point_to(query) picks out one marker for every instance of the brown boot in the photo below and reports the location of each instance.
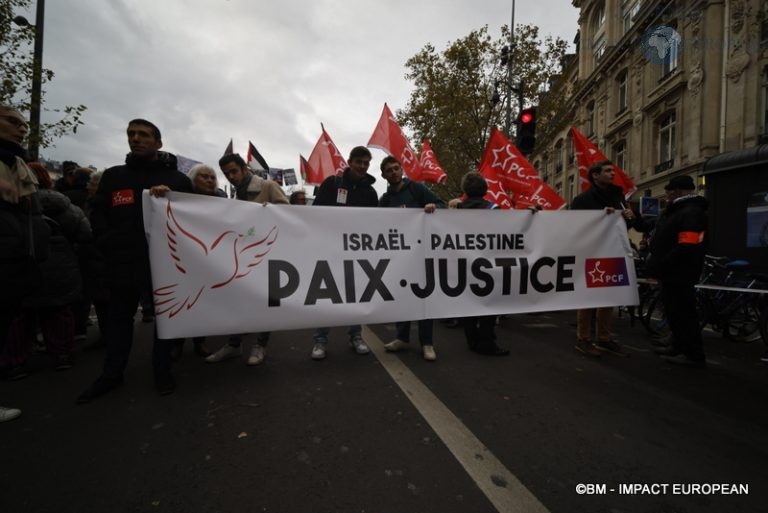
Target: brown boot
(586, 347)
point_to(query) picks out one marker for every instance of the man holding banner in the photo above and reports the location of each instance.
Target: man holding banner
(602, 195)
(353, 188)
(404, 193)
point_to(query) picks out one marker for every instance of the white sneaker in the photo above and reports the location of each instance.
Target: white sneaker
(258, 353)
(429, 353)
(396, 345)
(8, 413)
(318, 352)
(224, 353)
(359, 344)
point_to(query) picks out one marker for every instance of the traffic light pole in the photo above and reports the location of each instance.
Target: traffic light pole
(508, 124)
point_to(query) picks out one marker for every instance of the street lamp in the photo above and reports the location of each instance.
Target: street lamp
(37, 78)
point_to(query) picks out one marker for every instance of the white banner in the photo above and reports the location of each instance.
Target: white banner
(223, 266)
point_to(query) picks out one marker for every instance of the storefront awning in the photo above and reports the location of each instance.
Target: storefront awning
(737, 159)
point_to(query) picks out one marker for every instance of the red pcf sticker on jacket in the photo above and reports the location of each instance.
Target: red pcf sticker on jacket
(690, 237)
(123, 197)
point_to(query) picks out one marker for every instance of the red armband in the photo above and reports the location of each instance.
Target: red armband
(690, 237)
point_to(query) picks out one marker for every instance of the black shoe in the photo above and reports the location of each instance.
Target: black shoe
(666, 351)
(493, 350)
(99, 387)
(16, 373)
(96, 344)
(164, 383)
(64, 362)
(683, 360)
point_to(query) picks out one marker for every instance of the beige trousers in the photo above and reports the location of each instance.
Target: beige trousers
(584, 322)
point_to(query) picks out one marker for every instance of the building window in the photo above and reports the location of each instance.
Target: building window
(598, 33)
(590, 119)
(620, 154)
(571, 190)
(671, 60)
(764, 31)
(622, 92)
(559, 188)
(571, 152)
(666, 143)
(629, 11)
(559, 156)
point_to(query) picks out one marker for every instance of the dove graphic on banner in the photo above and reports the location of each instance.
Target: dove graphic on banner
(587, 154)
(389, 138)
(503, 162)
(324, 161)
(189, 255)
(429, 169)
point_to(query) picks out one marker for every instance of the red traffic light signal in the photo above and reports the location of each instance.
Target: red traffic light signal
(526, 130)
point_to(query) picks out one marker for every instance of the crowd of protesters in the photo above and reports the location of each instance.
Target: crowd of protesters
(77, 246)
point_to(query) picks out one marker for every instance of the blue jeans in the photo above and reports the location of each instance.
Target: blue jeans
(320, 336)
(425, 331)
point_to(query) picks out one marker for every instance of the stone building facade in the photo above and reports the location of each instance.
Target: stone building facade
(660, 87)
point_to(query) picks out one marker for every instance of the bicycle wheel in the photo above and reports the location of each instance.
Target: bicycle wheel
(655, 318)
(764, 320)
(743, 324)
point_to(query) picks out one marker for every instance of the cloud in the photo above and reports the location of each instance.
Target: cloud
(271, 72)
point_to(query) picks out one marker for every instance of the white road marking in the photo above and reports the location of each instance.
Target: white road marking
(500, 486)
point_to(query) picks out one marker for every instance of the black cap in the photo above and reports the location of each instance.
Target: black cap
(683, 182)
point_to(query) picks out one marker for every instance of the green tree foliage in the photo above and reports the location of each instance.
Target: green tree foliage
(452, 102)
(16, 72)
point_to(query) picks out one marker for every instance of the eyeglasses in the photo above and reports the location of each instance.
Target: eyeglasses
(18, 123)
(392, 169)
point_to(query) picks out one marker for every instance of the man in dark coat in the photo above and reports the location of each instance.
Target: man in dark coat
(354, 188)
(676, 259)
(118, 227)
(404, 193)
(602, 195)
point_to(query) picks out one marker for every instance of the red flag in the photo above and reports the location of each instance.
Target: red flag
(496, 193)
(324, 161)
(587, 154)
(503, 161)
(389, 137)
(429, 169)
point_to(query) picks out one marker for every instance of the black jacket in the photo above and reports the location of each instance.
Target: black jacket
(116, 214)
(359, 194)
(678, 245)
(477, 203)
(597, 199)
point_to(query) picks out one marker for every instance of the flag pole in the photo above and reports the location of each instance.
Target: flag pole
(509, 72)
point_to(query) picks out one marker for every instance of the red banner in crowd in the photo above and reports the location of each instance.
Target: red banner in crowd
(429, 169)
(587, 154)
(389, 138)
(503, 162)
(324, 161)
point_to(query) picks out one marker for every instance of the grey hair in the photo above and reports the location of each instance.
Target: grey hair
(195, 170)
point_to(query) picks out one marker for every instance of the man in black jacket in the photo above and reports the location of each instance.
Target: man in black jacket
(354, 188)
(602, 195)
(676, 259)
(118, 228)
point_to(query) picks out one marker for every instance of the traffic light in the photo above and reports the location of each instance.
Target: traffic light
(504, 55)
(526, 130)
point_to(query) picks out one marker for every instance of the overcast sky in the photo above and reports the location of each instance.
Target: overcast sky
(206, 71)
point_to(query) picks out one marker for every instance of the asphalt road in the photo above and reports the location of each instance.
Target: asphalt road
(394, 433)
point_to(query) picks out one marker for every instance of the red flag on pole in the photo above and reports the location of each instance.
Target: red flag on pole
(429, 169)
(503, 161)
(587, 154)
(389, 137)
(324, 161)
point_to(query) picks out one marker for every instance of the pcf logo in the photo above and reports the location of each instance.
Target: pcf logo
(606, 272)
